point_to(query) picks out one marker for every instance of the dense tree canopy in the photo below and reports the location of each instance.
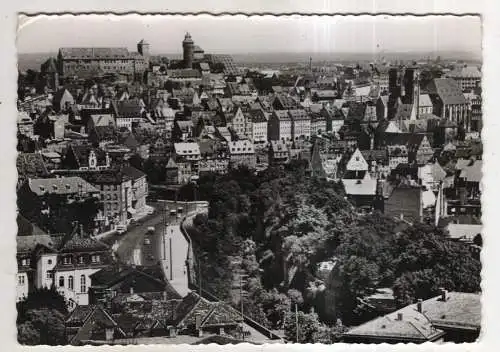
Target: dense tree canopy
(277, 226)
(40, 318)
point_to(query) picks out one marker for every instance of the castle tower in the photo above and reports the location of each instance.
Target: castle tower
(143, 48)
(188, 48)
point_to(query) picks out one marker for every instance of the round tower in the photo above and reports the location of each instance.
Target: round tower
(188, 49)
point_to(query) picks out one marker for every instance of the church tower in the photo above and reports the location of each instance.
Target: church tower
(49, 71)
(188, 48)
(143, 48)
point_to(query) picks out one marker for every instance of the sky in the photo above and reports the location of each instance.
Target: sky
(257, 34)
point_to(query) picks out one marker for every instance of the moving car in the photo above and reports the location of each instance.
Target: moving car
(121, 229)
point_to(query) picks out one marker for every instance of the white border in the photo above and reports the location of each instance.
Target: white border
(491, 41)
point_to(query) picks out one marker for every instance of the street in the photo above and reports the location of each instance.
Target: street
(138, 246)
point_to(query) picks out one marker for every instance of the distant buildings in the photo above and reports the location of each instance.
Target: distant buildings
(86, 62)
(449, 317)
(467, 77)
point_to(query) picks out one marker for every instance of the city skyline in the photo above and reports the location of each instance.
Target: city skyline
(291, 34)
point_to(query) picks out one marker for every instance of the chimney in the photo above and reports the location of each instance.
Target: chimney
(443, 294)
(419, 305)
(399, 317)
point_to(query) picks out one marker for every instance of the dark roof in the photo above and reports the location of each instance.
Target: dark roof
(448, 90)
(375, 154)
(226, 60)
(222, 314)
(316, 164)
(82, 152)
(126, 108)
(59, 95)
(49, 66)
(356, 110)
(61, 185)
(30, 242)
(79, 314)
(95, 53)
(287, 102)
(96, 177)
(132, 172)
(113, 274)
(82, 243)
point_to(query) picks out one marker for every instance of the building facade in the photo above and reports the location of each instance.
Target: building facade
(83, 62)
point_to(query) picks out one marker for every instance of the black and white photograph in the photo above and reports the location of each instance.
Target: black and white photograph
(248, 179)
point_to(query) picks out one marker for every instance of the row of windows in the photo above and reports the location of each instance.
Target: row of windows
(95, 258)
(110, 206)
(109, 187)
(83, 283)
(109, 196)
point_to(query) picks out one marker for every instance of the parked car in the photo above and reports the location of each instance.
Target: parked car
(151, 229)
(151, 211)
(147, 241)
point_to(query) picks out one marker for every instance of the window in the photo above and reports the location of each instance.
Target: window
(83, 284)
(70, 282)
(25, 262)
(67, 260)
(96, 258)
(61, 281)
(20, 279)
(80, 259)
(49, 261)
(49, 275)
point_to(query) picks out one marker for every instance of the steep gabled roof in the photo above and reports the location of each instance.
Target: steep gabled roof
(448, 91)
(222, 314)
(97, 53)
(60, 185)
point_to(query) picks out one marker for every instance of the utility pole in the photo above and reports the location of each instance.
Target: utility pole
(296, 324)
(242, 276)
(199, 275)
(171, 262)
(241, 303)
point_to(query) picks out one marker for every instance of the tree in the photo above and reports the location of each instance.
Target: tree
(42, 327)
(358, 277)
(40, 318)
(308, 327)
(27, 334)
